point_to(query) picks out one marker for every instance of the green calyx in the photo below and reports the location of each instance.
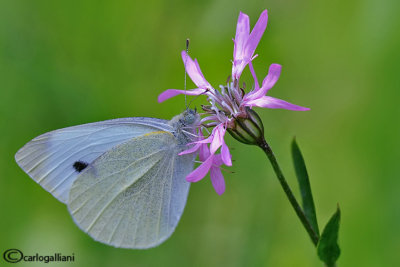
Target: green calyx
(248, 130)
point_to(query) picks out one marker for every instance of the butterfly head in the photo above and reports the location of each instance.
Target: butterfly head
(185, 125)
(190, 117)
(187, 119)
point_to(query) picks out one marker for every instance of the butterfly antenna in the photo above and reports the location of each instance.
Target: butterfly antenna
(187, 52)
(193, 99)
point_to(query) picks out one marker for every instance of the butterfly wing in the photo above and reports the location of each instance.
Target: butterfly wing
(133, 195)
(55, 159)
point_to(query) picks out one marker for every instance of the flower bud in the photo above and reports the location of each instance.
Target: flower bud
(249, 129)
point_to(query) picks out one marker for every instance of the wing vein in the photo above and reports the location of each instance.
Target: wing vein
(114, 197)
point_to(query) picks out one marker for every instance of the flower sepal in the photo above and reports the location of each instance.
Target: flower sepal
(248, 130)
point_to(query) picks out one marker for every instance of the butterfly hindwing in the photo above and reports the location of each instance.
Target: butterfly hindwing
(133, 195)
(56, 158)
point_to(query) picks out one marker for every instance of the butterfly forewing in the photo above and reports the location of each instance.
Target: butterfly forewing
(133, 195)
(55, 159)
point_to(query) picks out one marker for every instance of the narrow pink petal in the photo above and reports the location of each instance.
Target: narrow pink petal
(253, 73)
(210, 139)
(217, 160)
(198, 69)
(190, 150)
(218, 140)
(217, 180)
(274, 72)
(193, 70)
(238, 67)
(256, 34)
(204, 152)
(226, 155)
(242, 34)
(167, 94)
(273, 75)
(201, 171)
(271, 102)
(207, 140)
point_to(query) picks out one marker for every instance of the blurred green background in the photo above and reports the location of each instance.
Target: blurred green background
(72, 62)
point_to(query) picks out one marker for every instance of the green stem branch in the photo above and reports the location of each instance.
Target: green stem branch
(267, 149)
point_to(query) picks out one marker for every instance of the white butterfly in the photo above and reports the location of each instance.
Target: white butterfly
(122, 180)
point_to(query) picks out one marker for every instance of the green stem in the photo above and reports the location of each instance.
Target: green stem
(267, 149)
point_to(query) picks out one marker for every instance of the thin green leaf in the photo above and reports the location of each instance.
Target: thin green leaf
(328, 249)
(305, 188)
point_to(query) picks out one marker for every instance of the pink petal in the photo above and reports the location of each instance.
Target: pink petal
(190, 150)
(273, 75)
(207, 140)
(204, 152)
(218, 140)
(253, 73)
(274, 72)
(201, 171)
(238, 67)
(217, 160)
(226, 155)
(193, 70)
(217, 180)
(242, 34)
(173, 92)
(271, 102)
(256, 34)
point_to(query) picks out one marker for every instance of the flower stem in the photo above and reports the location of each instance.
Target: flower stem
(292, 199)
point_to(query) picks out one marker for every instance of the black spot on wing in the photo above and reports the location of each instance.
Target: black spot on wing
(80, 165)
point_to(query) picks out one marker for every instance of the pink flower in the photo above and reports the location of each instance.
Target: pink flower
(230, 103)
